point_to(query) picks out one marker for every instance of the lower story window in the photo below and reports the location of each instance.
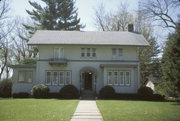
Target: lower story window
(58, 77)
(118, 77)
(25, 76)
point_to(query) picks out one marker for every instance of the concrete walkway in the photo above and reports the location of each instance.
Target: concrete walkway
(87, 111)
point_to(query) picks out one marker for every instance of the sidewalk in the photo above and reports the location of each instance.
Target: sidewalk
(87, 111)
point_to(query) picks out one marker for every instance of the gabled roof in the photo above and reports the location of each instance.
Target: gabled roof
(51, 37)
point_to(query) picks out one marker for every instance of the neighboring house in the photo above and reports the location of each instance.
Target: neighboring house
(87, 60)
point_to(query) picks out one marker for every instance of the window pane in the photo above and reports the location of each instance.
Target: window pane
(127, 78)
(61, 78)
(88, 52)
(21, 76)
(121, 78)
(110, 78)
(56, 52)
(114, 51)
(68, 77)
(61, 52)
(48, 78)
(29, 76)
(55, 78)
(94, 52)
(82, 52)
(116, 78)
(120, 51)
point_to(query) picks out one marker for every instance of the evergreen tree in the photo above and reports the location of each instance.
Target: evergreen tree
(56, 15)
(148, 57)
(171, 63)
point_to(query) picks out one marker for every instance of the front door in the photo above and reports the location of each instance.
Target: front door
(88, 81)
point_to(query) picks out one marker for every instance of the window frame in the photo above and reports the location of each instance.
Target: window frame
(93, 52)
(83, 52)
(52, 78)
(65, 78)
(62, 78)
(88, 52)
(114, 77)
(110, 78)
(127, 84)
(60, 52)
(25, 76)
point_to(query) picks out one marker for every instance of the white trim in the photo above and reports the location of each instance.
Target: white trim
(50, 78)
(114, 77)
(110, 78)
(60, 77)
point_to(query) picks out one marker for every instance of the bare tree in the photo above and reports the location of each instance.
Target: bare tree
(113, 21)
(163, 11)
(5, 30)
(20, 37)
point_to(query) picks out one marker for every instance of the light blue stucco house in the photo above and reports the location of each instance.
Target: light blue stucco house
(87, 60)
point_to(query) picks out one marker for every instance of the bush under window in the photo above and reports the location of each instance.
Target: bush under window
(145, 91)
(21, 95)
(107, 92)
(40, 91)
(69, 92)
(5, 88)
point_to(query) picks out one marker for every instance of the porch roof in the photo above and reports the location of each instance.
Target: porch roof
(22, 66)
(118, 65)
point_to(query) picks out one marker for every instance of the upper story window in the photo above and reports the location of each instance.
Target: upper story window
(117, 51)
(88, 52)
(25, 76)
(58, 52)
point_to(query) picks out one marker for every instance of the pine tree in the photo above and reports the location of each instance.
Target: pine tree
(171, 63)
(56, 15)
(148, 57)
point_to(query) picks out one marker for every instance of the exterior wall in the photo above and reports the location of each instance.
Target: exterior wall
(76, 63)
(103, 52)
(21, 86)
(76, 66)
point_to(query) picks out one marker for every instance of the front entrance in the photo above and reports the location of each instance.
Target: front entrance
(88, 81)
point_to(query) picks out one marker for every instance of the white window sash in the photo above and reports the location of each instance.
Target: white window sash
(50, 81)
(115, 78)
(127, 78)
(55, 79)
(121, 78)
(120, 51)
(67, 77)
(60, 77)
(109, 78)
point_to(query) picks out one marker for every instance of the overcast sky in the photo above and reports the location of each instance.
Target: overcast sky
(85, 9)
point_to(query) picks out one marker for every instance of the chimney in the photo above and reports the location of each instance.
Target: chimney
(130, 28)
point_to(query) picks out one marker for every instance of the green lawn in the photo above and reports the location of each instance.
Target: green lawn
(139, 110)
(36, 109)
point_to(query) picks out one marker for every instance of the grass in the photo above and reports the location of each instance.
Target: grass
(36, 109)
(113, 110)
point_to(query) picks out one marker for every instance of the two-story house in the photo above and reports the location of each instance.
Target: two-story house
(87, 60)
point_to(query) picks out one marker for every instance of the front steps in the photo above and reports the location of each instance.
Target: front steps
(87, 95)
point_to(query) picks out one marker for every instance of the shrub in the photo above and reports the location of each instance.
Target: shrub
(21, 95)
(40, 91)
(158, 97)
(54, 95)
(107, 92)
(69, 92)
(145, 91)
(5, 88)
